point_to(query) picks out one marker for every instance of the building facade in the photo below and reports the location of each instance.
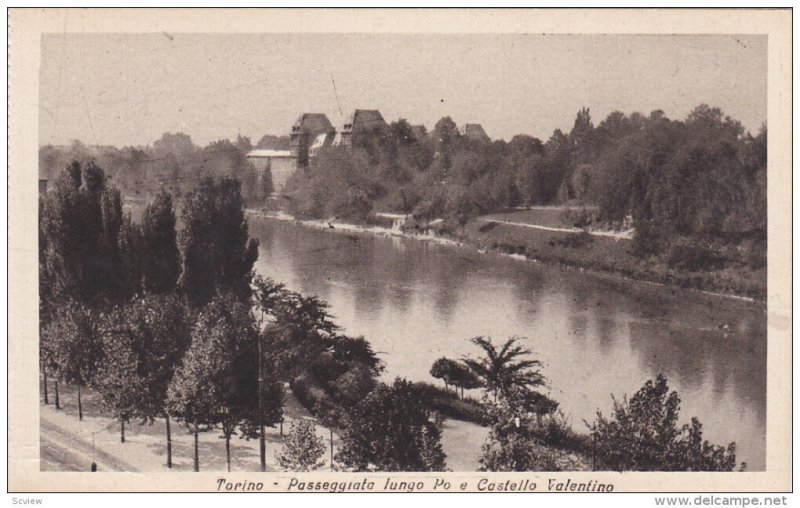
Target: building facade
(273, 168)
(310, 130)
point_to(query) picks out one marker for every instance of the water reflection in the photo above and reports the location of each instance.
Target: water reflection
(596, 335)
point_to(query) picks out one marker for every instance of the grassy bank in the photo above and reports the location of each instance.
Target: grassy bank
(606, 254)
(555, 241)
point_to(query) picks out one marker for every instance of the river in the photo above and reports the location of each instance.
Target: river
(597, 335)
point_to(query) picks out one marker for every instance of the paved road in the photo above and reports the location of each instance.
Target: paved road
(61, 450)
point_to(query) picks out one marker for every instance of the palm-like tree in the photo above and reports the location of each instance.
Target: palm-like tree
(505, 368)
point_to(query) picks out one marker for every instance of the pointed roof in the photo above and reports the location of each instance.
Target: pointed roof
(364, 120)
(475, 132)
(312, 123)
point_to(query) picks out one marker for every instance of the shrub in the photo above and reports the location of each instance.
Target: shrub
(309, 394)
(512, 443)
(553, 429)
(575, 241)
(448, 404)
(302, 449)
(488, 226)
(515, 452)
(647, 239)
(691, 255)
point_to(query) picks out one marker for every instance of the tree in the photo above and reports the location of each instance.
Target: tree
(441, 369)
(161, 260)
(143, 345)
(340, 183)
(446, 141)
(391, 430)
(643, 435)
(81, 220)
(302, 326)
(215, 383)
(216, 251)
(582, 137)
(463, 377)
(120, 381)
(72, 342)
(302, 449)
(132, 256)
(456, 374)
(273, 142)
(504, 369)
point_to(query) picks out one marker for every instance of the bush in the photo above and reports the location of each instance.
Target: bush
(691, 255)
(302, 449)
(512, 443)
(488, 226)
(515, 452)
(448, 404)
(553, 429)
(575, 241)
(647, 239)
(308, 394)
(642, 435)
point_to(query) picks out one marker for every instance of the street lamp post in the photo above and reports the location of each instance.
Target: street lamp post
(262, 440)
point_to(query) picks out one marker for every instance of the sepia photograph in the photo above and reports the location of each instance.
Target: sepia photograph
(296, 253)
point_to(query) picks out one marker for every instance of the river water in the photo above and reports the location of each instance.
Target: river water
(597, 335)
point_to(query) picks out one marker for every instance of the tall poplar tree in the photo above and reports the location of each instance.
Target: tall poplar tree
(161, 260)
(216, 251)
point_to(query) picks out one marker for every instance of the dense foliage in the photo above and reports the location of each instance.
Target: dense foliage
(455, 373)
(142, 343)
(391, 430)
(694, 189)
(643, 435)
(173, 162)
(512, 443)
(216, 251)
(216, 384)
(307, 347)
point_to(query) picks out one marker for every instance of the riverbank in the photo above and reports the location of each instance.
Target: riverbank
(598, 252)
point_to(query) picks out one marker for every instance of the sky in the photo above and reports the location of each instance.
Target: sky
(128, 89)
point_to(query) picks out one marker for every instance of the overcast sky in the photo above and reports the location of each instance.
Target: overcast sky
(129, 89)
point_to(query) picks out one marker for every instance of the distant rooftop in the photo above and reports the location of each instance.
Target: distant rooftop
(364, 119)
(312, 123)
(475, 132)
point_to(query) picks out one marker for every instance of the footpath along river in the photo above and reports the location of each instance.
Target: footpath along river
(416, 301)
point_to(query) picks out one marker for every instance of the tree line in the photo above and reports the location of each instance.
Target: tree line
(173, 162)
(694, 189)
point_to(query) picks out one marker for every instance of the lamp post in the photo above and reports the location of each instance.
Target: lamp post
(261, 438)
